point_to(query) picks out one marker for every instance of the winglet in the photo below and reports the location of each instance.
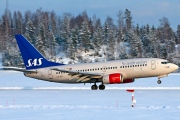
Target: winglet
(31, 56)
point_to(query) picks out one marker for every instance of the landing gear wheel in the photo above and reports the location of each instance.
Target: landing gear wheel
(94, 87)
(159, 81)
(101, 87)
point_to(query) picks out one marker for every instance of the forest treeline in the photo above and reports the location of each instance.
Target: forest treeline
(110, 39)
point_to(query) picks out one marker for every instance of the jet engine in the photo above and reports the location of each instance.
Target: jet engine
(116, 78)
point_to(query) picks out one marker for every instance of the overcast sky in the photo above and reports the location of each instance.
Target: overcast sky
(143, 11)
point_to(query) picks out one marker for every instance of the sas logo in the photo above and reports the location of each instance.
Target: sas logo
(35, 62)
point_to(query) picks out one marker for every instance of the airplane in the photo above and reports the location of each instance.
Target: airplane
(109, 72)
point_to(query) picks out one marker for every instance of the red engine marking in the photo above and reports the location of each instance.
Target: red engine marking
(114, 78)
(130, 90)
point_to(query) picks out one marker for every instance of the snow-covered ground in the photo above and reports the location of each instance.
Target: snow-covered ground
(24, 98)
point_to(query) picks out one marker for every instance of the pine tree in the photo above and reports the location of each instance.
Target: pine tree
(85, 36)
(111, 45)
(73, 43)
(137, 30)
(147, 29)
(65, 33)
(120, 22)
(52, 46)
(134, 43)
(128, 18)
(163, 53)
(31, 33)
(105, 34)
(178, 34)
(41, 42)
(97, 39)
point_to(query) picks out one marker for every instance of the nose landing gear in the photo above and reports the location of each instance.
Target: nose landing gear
(161, 76)
(159, 81)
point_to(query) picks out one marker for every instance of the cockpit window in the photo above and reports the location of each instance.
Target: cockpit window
(166, 62)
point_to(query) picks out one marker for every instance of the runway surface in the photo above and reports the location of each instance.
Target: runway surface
(23, 98)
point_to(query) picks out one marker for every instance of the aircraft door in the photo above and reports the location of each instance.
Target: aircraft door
(153, 64)
(50, 74)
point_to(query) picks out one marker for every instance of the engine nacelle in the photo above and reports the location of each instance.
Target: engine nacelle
(115, 78)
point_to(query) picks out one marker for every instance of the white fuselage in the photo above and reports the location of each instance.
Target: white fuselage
(129, 68)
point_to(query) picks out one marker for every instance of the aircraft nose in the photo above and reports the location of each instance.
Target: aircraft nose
(175, 67)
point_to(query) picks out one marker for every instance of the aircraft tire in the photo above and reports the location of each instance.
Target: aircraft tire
(159, 81)
(94, 87)
(101, 87)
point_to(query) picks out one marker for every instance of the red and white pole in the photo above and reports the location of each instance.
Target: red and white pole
(133, 100)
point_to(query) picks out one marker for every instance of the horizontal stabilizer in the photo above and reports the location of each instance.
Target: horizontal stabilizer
(17, 69)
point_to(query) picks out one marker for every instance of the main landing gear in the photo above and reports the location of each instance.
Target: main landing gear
(95, 87)
(102, 87)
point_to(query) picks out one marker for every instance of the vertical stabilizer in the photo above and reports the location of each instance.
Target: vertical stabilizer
(31, 56)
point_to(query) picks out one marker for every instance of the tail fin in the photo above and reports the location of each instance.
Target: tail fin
(31, 56)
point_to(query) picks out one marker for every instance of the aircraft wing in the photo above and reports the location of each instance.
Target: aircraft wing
(82, 76)
(17, 69)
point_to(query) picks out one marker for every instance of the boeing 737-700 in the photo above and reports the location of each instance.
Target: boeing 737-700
(109, 72)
